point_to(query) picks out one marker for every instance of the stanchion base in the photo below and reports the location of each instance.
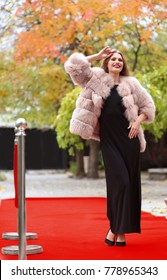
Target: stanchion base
(30, 250)
(15, 235)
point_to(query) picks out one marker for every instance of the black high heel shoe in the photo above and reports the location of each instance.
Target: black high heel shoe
(109, 242)
(120, 243)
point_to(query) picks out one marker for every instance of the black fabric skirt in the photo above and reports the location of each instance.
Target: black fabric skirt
(121, 156)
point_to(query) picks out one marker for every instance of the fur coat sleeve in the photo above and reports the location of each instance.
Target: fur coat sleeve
(79, 69)
(84, 121)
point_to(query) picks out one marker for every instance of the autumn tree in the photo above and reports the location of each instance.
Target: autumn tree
(31, 91)
(57, 28)
(52, 29)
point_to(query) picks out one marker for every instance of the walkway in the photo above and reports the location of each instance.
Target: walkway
(51, 183)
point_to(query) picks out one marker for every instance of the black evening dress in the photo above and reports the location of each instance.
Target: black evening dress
(121, 156)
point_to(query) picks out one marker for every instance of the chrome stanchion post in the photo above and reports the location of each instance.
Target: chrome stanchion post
(15, 235)
(22, 250)
(21, 125)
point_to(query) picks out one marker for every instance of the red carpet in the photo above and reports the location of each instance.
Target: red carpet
(75, 228)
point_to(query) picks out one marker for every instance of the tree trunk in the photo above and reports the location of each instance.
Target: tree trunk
(136, 58)
(80, 173)
(160, 147)
(93, 159)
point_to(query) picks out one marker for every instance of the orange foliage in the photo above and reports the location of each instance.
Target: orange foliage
(57, 26)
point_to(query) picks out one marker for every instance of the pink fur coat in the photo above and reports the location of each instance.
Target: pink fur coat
(96, 85)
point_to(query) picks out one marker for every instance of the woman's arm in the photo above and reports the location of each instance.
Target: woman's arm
(79, 67)
(104, 53)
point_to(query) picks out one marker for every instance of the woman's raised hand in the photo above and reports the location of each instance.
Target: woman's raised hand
(105, 52)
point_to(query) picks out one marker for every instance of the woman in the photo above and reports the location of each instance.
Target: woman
(111, 108)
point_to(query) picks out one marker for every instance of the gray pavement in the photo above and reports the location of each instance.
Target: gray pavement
(55, 183)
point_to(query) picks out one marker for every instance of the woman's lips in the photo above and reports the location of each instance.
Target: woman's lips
(116, 65)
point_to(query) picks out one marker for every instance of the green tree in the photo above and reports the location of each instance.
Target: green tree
(73, 143)
(67, 140)
(156, 83)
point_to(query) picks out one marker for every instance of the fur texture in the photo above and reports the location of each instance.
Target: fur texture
(96, 85)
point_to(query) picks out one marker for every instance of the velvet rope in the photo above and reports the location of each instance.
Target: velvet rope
(15, 169)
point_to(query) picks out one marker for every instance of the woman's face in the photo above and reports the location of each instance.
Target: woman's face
(115, 64)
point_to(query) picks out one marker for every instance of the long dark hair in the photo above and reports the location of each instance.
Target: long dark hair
(124, 71)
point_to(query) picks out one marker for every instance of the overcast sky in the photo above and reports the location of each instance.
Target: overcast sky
(9, 24)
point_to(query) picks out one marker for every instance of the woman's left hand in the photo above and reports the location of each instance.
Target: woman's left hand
(134, 127)
(106, 52)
